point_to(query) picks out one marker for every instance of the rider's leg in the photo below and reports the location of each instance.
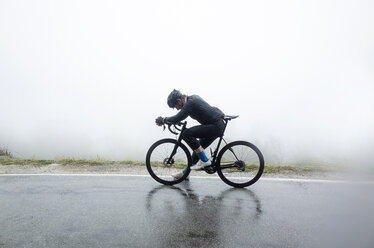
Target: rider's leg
(201, 154)
(207, 133)
(205, 142)
(190, 135)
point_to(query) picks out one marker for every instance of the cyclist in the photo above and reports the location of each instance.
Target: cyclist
(198, 137)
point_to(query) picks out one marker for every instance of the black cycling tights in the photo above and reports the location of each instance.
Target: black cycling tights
(206, 134)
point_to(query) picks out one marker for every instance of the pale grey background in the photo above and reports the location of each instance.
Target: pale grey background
(87, 78)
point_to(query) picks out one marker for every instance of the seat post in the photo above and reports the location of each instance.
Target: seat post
(224, 129)
(220, 139)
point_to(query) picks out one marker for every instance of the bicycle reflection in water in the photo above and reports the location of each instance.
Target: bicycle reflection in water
(182, 218)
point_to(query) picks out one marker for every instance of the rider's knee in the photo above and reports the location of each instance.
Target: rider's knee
(186, 133)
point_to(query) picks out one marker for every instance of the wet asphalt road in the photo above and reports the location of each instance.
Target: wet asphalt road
(118, 211)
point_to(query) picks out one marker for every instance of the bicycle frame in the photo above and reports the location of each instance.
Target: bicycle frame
(214, 154)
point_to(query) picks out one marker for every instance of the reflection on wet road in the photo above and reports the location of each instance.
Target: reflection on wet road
(118, 211)
(181, 216)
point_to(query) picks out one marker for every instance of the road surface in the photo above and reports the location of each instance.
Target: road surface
(135, 211)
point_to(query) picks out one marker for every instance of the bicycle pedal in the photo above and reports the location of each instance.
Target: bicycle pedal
(209, 170)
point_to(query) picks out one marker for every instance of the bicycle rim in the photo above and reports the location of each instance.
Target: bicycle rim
(161, 166)
(241, 164)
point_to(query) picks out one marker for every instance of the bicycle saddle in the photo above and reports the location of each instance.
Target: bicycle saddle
(230, 117)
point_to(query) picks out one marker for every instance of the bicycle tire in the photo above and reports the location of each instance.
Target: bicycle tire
(253, 164)
(159, 170)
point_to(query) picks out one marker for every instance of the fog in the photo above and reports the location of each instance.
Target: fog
(86, 79)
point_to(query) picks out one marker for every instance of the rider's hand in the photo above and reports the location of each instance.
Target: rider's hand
(159, 121)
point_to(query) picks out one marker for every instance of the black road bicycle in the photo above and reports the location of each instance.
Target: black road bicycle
(238, 163)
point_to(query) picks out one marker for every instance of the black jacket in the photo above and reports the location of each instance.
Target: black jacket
(197, 109)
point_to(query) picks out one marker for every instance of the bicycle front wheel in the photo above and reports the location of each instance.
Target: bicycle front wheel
(165, 159)
(240, 164)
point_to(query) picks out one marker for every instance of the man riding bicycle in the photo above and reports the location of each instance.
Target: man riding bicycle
(198, 137)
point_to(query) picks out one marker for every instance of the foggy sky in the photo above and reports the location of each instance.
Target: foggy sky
(87, 78)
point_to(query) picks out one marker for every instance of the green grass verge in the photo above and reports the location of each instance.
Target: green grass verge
(302, 168)
(5, 160)
(292, 168)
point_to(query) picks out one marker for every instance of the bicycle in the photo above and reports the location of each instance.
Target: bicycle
(239, 163)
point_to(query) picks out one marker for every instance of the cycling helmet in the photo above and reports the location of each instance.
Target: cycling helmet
(172, 98)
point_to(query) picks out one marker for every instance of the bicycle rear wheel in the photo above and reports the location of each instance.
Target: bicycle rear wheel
(240, 164)
(162, 164)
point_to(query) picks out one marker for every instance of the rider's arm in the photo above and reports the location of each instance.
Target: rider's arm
(183, 114)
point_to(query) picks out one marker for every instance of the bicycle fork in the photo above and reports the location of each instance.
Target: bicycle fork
(170, 159)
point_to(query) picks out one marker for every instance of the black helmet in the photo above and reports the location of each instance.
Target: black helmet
(172, 98)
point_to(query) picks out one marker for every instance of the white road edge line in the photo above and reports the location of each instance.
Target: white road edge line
(200, 177)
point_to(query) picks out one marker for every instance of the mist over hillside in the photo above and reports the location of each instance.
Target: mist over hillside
(87, 79)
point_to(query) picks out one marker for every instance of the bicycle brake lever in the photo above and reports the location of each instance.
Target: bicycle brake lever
(179, 129)
(163, 127)
(172, 130)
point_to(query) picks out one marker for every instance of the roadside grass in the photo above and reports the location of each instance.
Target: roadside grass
(5, 153)
(293, 168)
(97, 161)
(7, 160)
(302, 168)
(269, 168)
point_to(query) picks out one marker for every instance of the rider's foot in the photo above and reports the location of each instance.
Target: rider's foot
(201, 165)
(179, 175)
